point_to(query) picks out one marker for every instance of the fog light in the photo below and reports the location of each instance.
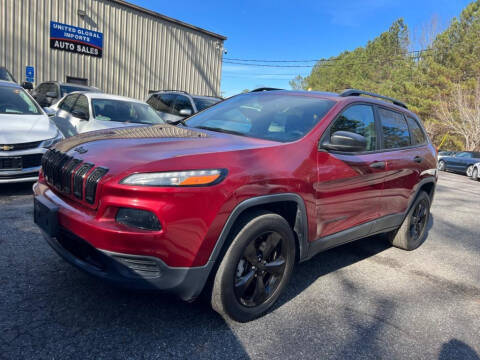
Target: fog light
(140, 219)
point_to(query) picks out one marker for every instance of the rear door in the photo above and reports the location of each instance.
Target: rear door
(163, 104)
(63, 116)
(406, 155)
(350, 185)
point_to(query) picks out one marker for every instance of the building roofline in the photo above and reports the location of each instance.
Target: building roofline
(169, 19)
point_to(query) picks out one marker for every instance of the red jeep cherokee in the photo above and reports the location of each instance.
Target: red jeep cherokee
(238, 193)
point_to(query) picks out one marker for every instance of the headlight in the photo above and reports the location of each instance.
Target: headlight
(176, 178)
(50, 142)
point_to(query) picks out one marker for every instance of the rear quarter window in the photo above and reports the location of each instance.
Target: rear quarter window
(417, 134)
(394, 129)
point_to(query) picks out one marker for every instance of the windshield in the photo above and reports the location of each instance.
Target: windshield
(270, 116)
(203, 103)
(124, 111)
(67, 89)
(16, 101)
(5, 75)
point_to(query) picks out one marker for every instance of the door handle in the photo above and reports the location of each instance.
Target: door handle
(378, 165)
(418, 159)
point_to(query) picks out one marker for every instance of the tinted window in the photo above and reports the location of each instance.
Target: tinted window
(81, 105)
(271, 116)
(464, 154)
(162, 102)
(41, 89)
(395, 129)
(68, 102)
(358, 119)
(203, 103)
(5, 75)
(67, 89)
(124, 111)
(50, 87)
(16, 101)
(418, 136)
(181, 103)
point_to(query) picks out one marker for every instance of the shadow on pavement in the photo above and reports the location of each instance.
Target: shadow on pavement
(16, 189)
(456, 349)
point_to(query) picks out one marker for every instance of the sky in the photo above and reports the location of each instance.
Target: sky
(297, 30)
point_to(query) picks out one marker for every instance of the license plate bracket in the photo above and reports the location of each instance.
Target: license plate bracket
(45, 215)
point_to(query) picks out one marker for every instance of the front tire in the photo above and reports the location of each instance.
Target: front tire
(469, 171)
(256, 267)
(413, 231)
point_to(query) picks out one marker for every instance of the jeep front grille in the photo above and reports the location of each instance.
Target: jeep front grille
(72, 176)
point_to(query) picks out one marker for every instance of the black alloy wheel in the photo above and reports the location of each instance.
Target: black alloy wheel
(260, 269)
(419, 220)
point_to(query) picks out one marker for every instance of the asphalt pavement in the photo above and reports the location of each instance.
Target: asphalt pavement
(364, 300)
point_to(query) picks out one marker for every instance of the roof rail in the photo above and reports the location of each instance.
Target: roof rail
(265, 89)
(156, 91)
(355, 92)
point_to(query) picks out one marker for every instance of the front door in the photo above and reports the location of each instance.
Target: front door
(350, 185)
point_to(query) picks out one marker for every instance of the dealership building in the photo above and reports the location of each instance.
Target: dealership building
(114, 45)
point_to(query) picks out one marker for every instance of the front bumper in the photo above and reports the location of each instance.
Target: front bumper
(131, 271)
(31, 159)
(24, 175)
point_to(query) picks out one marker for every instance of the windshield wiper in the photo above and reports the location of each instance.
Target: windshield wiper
(176, 122)
(233, 132)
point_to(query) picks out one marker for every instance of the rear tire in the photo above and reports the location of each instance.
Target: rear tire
(441, 165)
(475, 174)
(413, 231)
(256, 267)
(469, 171)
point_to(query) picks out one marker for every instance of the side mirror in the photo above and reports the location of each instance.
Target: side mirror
(80, 114)
(50, 112)
(27, 85)
(345, 141)
(185, 112)
(51, 94)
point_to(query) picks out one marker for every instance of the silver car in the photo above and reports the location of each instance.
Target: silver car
(81, 112)
(25, 134)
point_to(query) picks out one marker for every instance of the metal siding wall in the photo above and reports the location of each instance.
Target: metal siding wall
(140, 52)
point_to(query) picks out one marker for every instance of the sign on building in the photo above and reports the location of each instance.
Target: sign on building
(30, 74)
(74, 39)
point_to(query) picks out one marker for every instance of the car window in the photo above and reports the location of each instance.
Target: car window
(5, 75)
(81, 105)
(41, 89)
(51, 87)
(464, 154)
(358, 119)
(162, 102)
(16, 101)
(125, 111)
(418, 136)
(203, 103)
(394, 128)
(182, 102)
(68, 102)
(67, 89)
(271, 116)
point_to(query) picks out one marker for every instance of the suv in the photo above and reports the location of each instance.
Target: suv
(174, 106)
(50, 92)
(238, 193)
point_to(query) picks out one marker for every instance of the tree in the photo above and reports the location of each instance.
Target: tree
(460, 113)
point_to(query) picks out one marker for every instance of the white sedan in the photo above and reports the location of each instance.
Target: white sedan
(25, 134)
(80, 112)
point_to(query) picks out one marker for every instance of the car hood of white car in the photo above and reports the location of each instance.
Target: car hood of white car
(16, 129)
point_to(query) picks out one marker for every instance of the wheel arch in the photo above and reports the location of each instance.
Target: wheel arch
(289, 205)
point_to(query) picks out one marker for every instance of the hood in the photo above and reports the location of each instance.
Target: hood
(126, 148)
(16, 129)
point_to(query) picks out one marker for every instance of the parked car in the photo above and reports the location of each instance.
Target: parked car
(50, 92)
(476, 171)
(25, 134)
(239, 194)
(6, 75)
(443, 153)
(80, 112)
(462, 162)
(174, 106)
